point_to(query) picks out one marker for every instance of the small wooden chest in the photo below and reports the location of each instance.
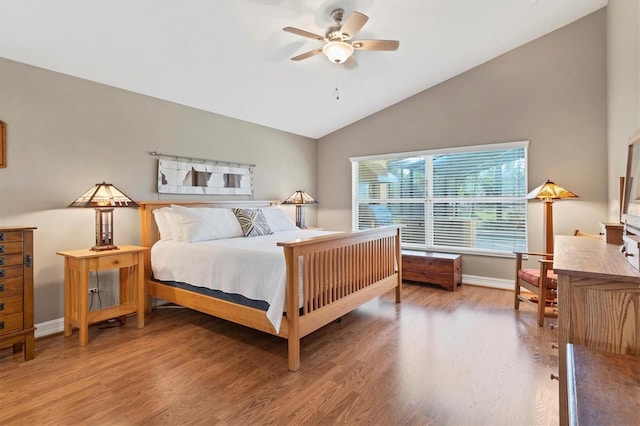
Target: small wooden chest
(444, 269)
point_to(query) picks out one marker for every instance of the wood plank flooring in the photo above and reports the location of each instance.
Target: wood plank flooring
(437, 358)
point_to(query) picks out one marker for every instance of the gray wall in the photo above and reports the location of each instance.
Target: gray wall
(551, 92)
(66, 134)
(623, 88)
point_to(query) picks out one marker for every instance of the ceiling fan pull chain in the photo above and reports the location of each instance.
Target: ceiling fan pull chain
(337, 91)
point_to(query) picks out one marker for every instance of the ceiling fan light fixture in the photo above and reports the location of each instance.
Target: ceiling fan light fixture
(337, 51)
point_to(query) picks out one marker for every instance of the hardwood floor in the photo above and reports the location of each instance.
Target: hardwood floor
(439, 357)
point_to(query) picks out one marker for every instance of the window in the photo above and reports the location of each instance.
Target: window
(468, 199)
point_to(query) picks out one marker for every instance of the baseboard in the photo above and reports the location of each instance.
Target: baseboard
(499, 283)
(57, 325)
(49, 327)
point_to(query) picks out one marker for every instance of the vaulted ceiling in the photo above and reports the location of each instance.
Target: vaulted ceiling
(232, 58)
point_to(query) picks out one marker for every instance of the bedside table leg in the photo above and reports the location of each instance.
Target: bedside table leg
(83, 309)
(67, 299)
(125, 290)
(29, 347)
(140, 293)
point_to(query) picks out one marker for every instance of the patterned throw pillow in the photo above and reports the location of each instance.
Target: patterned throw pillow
(253, 222)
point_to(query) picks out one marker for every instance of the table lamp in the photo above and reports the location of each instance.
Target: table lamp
(299, 199)
(103, 197)
(548, 192)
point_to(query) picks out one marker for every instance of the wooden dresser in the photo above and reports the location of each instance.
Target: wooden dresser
(16, 289)
(603, 388)
(598, 303)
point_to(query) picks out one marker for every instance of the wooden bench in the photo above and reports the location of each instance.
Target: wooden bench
(443, 269)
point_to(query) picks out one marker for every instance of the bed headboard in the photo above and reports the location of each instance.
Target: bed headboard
(149, 231)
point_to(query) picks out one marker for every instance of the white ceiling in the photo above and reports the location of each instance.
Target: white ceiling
(231, 57)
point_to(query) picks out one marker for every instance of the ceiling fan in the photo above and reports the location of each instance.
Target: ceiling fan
(338, 48)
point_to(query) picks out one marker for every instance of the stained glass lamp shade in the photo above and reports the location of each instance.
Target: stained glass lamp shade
(104, 197)
(299, 199)
(548, 192)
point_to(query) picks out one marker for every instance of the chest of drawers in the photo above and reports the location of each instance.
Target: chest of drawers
(598, 304)
(16, 289)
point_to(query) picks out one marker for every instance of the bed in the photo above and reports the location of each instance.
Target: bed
(325, 276)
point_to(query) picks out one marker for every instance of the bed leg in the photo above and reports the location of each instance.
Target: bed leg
(399, 292)
(293, 314)
(294, 354)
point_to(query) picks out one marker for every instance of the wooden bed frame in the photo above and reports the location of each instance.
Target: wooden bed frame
(339, 272)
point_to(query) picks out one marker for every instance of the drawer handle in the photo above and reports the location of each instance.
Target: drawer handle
(1, 306)
(1, 261)
(1, 249)
(2, 273)
(1, 236)
(627, 254)
(1, 325)
(2, 287)
(554, 377)
(28, 260)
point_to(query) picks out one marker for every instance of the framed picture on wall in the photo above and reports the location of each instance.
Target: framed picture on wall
(180, 176)
(3, 144)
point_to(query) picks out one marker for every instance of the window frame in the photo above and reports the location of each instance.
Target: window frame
(430, 200)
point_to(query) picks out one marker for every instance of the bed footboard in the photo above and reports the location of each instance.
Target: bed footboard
(339, 273)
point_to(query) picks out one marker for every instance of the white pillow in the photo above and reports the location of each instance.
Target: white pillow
(278, 220)
(165, 222)
(202, 224)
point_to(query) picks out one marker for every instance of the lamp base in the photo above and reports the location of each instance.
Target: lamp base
(103, 248)
(104, 229)
(300, 217)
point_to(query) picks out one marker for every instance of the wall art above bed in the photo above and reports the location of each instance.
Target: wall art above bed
(182, 175)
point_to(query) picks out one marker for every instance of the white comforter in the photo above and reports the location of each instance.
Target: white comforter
(253, 267)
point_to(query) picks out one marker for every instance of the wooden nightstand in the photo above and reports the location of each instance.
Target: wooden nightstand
(77, 266)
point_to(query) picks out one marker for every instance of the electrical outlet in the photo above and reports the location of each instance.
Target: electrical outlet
(93, 290)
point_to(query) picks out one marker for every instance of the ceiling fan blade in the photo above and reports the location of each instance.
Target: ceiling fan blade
(303, 33)
(353, 24)
(376, 44)
(307, 55)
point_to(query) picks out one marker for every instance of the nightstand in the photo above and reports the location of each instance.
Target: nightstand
(78, 264)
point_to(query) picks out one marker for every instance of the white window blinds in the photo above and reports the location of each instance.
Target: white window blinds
(464, 200)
